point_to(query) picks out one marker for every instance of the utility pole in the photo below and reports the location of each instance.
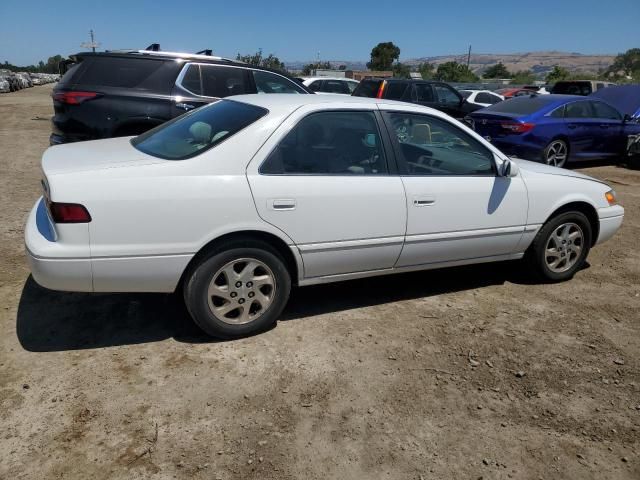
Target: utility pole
(469, 57)
(92, 44)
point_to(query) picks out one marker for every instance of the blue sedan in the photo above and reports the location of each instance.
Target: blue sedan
(553, 129)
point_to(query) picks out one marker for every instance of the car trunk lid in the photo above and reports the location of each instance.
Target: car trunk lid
(93, 155)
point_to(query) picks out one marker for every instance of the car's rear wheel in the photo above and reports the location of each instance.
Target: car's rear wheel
(238, 291)
(556, 153)
(561, 247)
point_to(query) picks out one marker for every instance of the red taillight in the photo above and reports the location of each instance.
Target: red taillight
(69, 213)
(381, 89)
(74, 98)
(517, 127)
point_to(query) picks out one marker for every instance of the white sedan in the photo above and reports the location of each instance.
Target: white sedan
(337, 85)
(235, 202)
(484, 98)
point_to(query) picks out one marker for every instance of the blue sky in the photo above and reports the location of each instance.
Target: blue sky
(31, 30)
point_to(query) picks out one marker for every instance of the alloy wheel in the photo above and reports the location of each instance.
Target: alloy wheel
(557, 153)
(564, 247)
(241, 291)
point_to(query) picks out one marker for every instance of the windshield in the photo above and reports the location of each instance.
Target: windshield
(198, 131)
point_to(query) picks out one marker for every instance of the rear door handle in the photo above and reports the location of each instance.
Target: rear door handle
(283, 204)
(424, 201)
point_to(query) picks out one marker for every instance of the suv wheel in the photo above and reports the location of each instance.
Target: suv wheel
(238, 291)
(561, 247)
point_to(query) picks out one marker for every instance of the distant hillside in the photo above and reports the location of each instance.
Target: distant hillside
(538, 62)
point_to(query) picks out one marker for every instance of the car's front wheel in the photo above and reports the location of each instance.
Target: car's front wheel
(556, 153)
(561, 247)
(239, 291)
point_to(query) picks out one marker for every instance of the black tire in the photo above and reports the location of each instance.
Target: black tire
(554, 144)
(537, 254)
(201, 275)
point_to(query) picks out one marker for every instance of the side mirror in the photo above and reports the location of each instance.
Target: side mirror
(509, 168)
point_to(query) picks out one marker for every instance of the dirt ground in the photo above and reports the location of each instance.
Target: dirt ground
(465, 373)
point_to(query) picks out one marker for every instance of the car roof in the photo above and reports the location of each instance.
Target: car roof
(306, 79)
(290, 102)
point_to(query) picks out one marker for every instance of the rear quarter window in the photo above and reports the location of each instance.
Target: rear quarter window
(395, 91)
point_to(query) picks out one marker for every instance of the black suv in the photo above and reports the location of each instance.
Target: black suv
(121, 93)
(438, 95)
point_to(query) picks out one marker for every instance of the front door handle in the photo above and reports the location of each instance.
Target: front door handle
(283, 204)
(424, 201)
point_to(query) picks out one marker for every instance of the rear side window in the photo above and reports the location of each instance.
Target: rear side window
(578, 110)
(367, 88)
(483, 97)
(118, 72)
(315, 86)
(267, 82)
(191, 79)
(330, 143)
(395, 90)
(336, 86)
(197, 131)
(222, 81)
(424, 92)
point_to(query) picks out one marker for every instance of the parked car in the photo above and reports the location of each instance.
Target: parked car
(483, 98)
(579, 87)
(4, 85)
(512, 92)
(344, 86)
(626, 98)
(438, 95)
(553, 129)
(104, 95)
(235, 202)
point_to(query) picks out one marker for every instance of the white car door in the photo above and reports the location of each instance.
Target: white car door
(323, 179)
(458, 207)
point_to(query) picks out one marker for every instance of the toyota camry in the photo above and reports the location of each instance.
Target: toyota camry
(234, 203)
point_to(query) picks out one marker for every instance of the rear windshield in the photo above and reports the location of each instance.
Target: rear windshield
(572, 88)
(198, 131)
(520, 105)
(367, 88)
(118, 72)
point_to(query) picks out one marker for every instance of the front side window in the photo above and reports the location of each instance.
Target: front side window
(446, 95)
(197, 131)
(483, 97)
(424, 93)
(267, 82)
(222, 81)
(427, 145)
(604, 111)
(329, 143)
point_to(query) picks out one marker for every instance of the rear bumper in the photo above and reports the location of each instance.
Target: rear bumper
(49, 266)
(610, 221)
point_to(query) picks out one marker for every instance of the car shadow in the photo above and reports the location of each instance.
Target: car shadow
(59, 321)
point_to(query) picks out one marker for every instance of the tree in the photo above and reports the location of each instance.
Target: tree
(383, 55)
(427, 70)
(497, 71)
(308, 69)
(626, 64)
(257, 59)
(455, 72)
(558, 73)
(523, 76)
(400, 70)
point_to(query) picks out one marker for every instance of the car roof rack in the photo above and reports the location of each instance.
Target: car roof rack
(154, 49)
